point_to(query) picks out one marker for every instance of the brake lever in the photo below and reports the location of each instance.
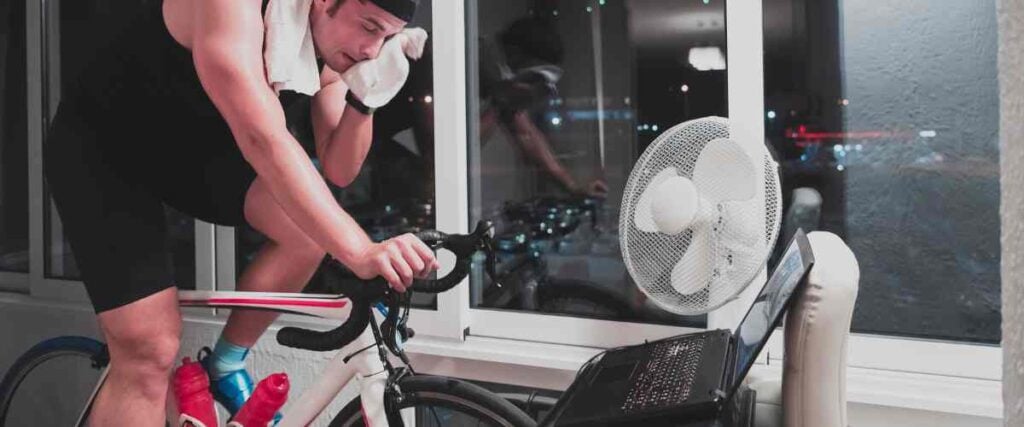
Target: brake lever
(491, 264)
(485, 242)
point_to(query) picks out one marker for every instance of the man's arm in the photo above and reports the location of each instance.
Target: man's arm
(227, 51)
(535, 143)
(343, 134)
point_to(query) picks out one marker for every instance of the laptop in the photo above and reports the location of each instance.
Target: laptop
(687, 377)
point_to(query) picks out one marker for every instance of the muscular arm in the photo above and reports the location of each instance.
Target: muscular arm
(536, 145)
(227, 51)
(343, 135)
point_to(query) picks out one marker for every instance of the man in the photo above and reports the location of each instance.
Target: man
(518, 76)
(177, 110)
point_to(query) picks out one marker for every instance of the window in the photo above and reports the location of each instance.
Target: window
(13, 139)
(394, 192)
(564, 97)
(890, 112)
(74, 30)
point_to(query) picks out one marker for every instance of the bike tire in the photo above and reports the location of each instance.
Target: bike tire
(66, 346)
(580, 297)
(423, 391)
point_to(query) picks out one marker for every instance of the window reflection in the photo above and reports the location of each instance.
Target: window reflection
(565, 95)
(13, 139)
(885, 116)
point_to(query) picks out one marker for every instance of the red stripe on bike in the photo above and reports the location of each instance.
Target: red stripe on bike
(308, 303)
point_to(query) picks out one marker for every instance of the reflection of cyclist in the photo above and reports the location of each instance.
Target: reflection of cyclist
(517, 77)
(178, 110)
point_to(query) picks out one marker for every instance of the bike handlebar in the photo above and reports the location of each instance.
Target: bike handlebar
(462, 245)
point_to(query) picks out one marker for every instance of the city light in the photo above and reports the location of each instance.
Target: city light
(706, 58)
(771, 114)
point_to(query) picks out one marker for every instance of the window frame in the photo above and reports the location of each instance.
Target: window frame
(955, 372)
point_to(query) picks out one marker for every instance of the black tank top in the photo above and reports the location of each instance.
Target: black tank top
(142, 93)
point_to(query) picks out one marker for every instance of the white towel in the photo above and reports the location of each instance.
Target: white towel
(288, 47)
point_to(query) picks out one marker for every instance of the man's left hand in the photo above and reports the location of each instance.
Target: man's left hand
(375, 81)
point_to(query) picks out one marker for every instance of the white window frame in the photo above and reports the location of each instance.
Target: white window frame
(922, 374)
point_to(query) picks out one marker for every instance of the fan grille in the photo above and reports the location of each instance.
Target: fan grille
(651, 256)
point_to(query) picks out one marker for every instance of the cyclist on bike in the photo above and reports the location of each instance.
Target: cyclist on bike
(177, 110)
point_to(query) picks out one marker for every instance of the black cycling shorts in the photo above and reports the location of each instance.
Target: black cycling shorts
(114, 220)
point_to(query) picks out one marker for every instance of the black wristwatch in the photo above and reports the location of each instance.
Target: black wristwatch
(358, 105)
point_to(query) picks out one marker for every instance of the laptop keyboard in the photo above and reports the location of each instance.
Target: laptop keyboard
(665, 378)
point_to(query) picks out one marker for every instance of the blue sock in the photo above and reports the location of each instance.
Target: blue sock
(227, 358)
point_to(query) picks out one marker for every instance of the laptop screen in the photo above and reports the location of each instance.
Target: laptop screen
(766, 311)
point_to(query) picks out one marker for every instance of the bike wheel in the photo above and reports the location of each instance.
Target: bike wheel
(579, 297)
(439, 401)
(55, 394)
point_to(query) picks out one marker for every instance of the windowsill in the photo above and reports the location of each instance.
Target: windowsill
(939, 393)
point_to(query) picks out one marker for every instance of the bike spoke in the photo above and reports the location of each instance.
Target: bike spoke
(437, 418)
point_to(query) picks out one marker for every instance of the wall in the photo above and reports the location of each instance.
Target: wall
(1011, 78)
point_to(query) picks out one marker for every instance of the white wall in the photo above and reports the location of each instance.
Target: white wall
(1011, 79)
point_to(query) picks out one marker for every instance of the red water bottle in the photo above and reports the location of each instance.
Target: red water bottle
(259, 410)
(192, 391)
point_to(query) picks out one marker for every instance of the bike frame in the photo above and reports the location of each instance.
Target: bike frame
(364, 365)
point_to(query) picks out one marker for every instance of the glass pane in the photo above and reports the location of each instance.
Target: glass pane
(394, 191)
(13, 139)
(890, 112)
(75, 29)
(564, 97)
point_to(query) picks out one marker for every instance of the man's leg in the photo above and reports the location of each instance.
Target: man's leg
(285, 263)
(143, 339)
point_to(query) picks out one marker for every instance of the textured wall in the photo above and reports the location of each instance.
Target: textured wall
(1011, 81)
(921, 209)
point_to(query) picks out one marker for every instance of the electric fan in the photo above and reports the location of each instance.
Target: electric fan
(700, 214)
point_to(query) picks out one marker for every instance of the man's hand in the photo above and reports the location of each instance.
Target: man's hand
(375, 81)
(597, 188)
(398, 260)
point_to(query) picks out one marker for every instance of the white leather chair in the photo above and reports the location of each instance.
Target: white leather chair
(812, 392)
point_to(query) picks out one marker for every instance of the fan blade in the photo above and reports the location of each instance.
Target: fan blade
(742, 235)
(693, 272)
(724, 172)
(675, 205)
(643, 218)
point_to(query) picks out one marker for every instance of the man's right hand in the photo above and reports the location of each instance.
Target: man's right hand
(398, 260)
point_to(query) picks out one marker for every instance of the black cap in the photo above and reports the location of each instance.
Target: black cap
(402, 9)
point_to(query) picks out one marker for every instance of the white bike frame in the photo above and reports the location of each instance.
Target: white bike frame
(366, 366)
